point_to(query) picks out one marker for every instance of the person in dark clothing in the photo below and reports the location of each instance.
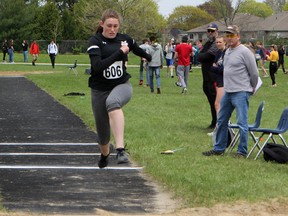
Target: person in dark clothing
(4, 49)
(25, 47)
(110, 87)
(281, 52)
(206, 58)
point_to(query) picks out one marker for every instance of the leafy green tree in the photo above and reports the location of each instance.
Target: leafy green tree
(71, 27)
(255, 8)
(139, 16)
(212, 9)
(63, 4)
(285, 7)
(50, 24)
(17, 20)
(188, 17)
(276, 5)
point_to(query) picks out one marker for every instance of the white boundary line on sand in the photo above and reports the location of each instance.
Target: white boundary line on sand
(23, 167)
(26, 167)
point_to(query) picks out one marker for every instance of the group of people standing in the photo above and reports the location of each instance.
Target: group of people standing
(177, 56)
(236, 63)
(275, 56)
(8, 48)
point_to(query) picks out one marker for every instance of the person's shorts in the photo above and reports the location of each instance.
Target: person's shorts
(169, 62)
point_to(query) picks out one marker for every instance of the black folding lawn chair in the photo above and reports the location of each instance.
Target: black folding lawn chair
(73, 68)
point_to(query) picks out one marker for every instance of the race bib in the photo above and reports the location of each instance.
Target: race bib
(114, 71)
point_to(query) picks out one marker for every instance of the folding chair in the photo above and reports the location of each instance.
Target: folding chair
(256, 124)
(281, 128)
(73, 68)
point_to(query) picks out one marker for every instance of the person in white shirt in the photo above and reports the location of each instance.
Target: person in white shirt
(52, 52)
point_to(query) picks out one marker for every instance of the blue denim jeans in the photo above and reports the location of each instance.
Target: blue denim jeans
(11, 55)
(25, 55)
(229, 102)
(151, 76)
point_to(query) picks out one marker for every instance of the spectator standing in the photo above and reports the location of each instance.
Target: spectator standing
(156, 51)
(196, 52)
(169, 50)
(273, 67)
(11, 51)
(206, 58)
(25, 50)
(52, 51)
(240, 80)
(143, 64)
(34, 51)
(109, 83)
(4, 49)
(281, 53)
(218, 68)
(183, 51)
(199, 44)
(262, 53)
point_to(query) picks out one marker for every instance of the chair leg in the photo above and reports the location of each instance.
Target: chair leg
(75, 71)
(68, 71)
(283, 140)
(256, 144)
(233, 142)
(264, 144)
(254, 139)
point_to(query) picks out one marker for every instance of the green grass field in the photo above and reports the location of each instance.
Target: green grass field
(170, 121)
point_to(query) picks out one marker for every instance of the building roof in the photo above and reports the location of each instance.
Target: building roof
(248, 23)
(276, 22)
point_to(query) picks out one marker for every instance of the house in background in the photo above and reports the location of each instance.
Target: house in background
(250, 26)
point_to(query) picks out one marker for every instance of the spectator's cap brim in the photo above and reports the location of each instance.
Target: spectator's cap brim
(233, 29)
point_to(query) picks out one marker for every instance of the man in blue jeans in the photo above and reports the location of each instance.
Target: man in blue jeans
(240, 80)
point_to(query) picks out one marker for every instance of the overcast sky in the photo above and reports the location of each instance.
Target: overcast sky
(166, 7)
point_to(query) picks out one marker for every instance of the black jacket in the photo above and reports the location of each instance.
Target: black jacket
(206, 57)
(108, 61)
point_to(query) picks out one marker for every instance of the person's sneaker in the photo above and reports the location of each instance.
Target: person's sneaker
(178, 84)
(184, 91)
(212, 153)
(210, 134)
(103, 161)
(122, 156)
(240, 155)
(211, 126)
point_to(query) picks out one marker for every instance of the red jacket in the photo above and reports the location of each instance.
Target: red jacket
(34, 48)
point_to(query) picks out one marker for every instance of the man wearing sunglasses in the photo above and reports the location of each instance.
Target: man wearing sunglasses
(240, 80)
(206, 58)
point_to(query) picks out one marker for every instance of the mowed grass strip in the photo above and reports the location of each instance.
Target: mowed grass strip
(155, 123)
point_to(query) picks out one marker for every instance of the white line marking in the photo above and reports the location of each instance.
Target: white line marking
(51, 154)
(49, 144)
(69, 167)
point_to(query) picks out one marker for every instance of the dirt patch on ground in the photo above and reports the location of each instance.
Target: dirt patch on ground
(276, 207)
(22, 73)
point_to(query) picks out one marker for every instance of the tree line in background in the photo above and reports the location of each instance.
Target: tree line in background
(77, 19)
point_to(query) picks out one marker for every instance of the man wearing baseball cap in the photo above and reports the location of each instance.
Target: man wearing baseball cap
(206, 58)
(240, 80)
